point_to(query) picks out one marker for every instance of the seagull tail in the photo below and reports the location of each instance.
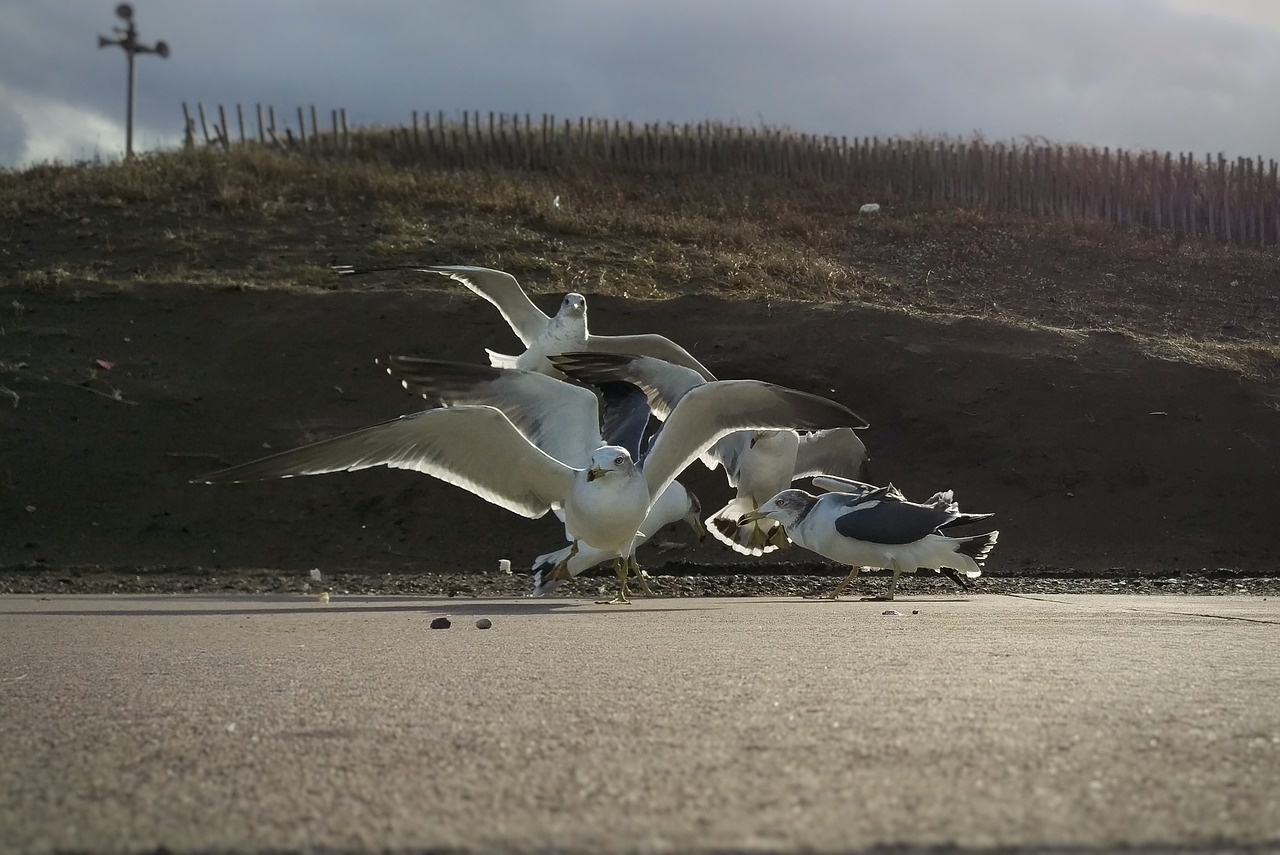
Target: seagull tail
(586, 558)
(972, 551)
(542, 566)
(755, 538)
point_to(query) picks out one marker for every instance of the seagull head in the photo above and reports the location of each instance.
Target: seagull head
(607, 460)
(787, 508)
(573, 305)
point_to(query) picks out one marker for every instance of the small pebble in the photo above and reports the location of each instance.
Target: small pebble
(484, 623)
(915, 611)
(441, 623)
(324, 596)
(892, 612)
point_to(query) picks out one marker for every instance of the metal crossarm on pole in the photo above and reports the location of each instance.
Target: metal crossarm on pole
(127, 38)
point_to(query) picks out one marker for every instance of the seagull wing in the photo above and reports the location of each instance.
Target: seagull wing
(881, 520)
(830, 452)
(475, 448)
(729, 452)
(663, 383)
(624, 415)
(527, 320)
(649, 344)
(938, 501)
(560, 418)
(855, 489)
(712, 410)
(945, 501)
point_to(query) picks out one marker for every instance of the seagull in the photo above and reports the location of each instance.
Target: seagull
(525, 397)
(676, 504)
(944, 500)
(542, 336)
(876, 529)
(759, 464)
(605, 497)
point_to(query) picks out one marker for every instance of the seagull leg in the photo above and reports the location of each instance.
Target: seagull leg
(893, 583)
(620, 568)
(956, 577)
(641, 577)
(844, 586)
(560, 572)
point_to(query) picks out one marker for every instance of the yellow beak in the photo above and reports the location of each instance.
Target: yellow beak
(751, 517)
(594, 472)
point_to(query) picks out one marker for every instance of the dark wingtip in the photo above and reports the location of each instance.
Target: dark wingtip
(362, 269)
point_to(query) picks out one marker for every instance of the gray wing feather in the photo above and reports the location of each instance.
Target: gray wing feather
(728, 451)
(475, 448)
(712, 410)
(836, 452)
(880, 521)
(663, 383)
(649, 344)
(560, 418)
(856, 489)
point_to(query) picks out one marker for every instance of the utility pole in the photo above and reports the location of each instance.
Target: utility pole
(127, 38)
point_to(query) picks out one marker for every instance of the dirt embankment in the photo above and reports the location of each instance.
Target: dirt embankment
(1093, 455)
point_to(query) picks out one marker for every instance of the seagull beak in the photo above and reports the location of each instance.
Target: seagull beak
(751, 517)
(699, 529)
(594, 472)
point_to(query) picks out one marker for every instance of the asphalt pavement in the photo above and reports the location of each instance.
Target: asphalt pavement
(1063, 724)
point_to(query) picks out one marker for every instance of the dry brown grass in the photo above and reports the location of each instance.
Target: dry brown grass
(258, 218)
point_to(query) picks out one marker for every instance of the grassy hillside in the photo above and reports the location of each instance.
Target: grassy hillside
(258, 218)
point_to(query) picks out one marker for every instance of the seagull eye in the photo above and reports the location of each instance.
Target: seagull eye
(617, 461)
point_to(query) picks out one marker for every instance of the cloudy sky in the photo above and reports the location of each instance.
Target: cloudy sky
(1180, 75)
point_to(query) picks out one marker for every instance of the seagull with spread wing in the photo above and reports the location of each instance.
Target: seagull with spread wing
(541, 335)
(605, 496)
(878, 528)
(759, 463)
(527, 398)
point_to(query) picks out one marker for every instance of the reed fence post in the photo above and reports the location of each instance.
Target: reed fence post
(204, 126)
(316, 139)
(302, 127)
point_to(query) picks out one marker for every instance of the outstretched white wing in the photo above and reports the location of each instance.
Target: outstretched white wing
(475, 448)
(501, 289)
(713, 410)
(560, 418)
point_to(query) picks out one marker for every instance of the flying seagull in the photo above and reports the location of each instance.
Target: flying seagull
(542, 336)
(605, 498)
(759, 464)
(876, 529)
(531, 401)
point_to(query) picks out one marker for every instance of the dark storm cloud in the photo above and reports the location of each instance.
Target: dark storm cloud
(1131, 74)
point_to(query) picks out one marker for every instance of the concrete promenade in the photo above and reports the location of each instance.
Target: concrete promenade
(1063, 724)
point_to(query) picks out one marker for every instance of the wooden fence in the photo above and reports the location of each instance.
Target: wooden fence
(1236, 201)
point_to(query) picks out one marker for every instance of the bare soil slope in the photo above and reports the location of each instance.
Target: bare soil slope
(1093, 454)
